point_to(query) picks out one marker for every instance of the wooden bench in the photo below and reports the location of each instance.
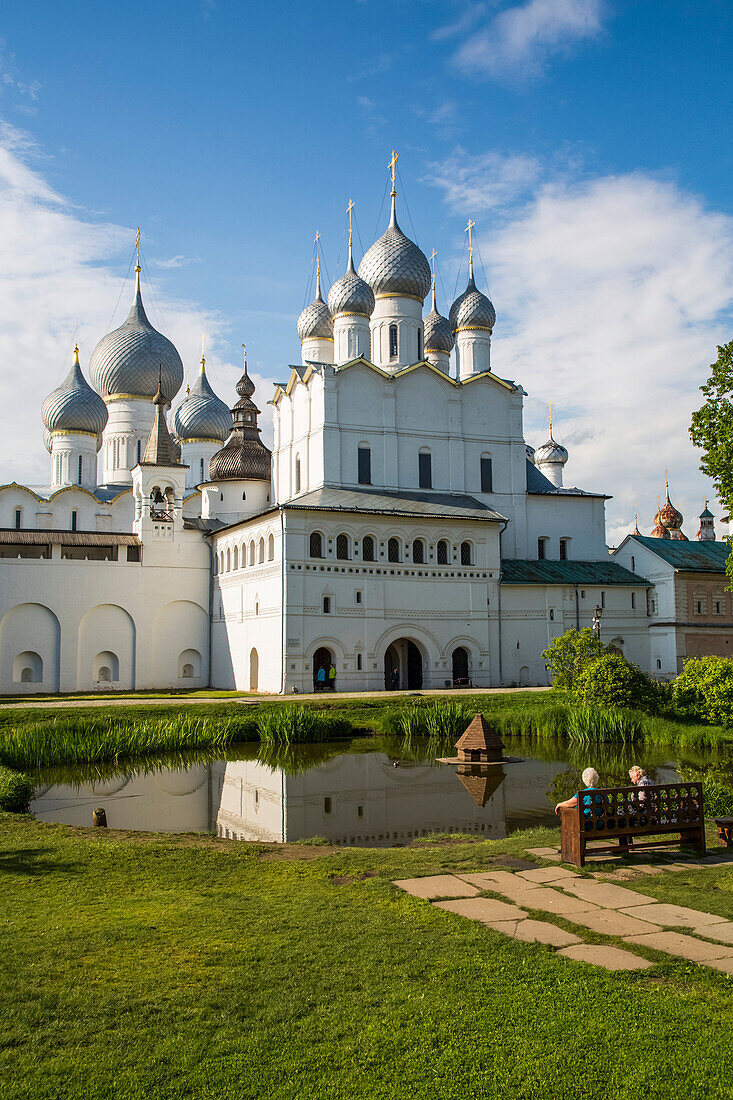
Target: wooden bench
(625, 813)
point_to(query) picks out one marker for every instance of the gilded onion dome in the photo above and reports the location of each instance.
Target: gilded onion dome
(437, 335)
(126, 362)
(551, 453)
(74, 406)
(472, 310)
(201, 414)
(350, 294)
(672, 519)
(315, 322)
(244, 455)
(395, 265)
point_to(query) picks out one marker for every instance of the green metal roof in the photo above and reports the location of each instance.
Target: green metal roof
(688, 557)
(516, 571)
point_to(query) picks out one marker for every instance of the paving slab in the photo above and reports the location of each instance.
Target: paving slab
(672, 916)
(546, 853)
(723, 933)
(687, 947)
(726, 965)
(548, 874)
(436, 886)
(488, 880)
(548, 900)
(487, 910)
(603, 893)
(611, 922)
(536, 931)
(610, 958)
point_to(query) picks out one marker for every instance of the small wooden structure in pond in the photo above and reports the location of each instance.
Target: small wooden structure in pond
(480, 744)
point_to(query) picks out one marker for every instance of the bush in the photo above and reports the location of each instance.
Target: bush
(704, 689)
(611, 681)
(718, 799)
(568, 656)
(16, 791)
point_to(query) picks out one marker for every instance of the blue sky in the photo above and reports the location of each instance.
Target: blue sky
(590, 140)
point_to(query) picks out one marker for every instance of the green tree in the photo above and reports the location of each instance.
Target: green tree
(611, 681)
(704, 689)
(711, 429)
(569, 654)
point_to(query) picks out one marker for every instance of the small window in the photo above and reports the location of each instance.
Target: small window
(359, 811)
(358, 662)
(327, 805)
(393, 550)
(465, 553)
(563, 549)
(552, 614)
(540, 549)
(425, 470)
(659, 663)
(74, 517)
(139, 452)
(364, 457)
(633, 601)
(582, 593)
(358, 596)
(603, 599)
(418, 551)
(342, 547)
(698, 607)
(367, 548)
(79, 472)
(252, 552)
(419, 343)
(442, 552)
(633, 564)
(297, 473)
(487, 480)
(201, 466)
(393, 344)
(18, 518)
(326, 605)
(316, 545)
(718, 607)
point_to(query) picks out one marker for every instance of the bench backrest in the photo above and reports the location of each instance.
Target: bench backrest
(667, 807)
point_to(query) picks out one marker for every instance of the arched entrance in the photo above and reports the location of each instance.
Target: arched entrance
(404, 657)
(254, 669)
(460, 666)
(322, 659)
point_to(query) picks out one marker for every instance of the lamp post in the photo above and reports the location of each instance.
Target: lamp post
(597, 613)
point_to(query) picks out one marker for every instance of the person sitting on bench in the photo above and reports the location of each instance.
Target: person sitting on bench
(592, 780)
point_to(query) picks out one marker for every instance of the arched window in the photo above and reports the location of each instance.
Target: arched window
(466, 553)
(261, 551)
(393, 550)
(243, 555)
(425, 469)
(236, 557)
(252, 552)
(442, 552)
(342, 547)
(418, 551)
(419, 343)
(80, 469)
(487, 476)
(358, 662)
(367, 548)
(316, 545)
(221, 562)
(297, 473)
(271, 548)
(229, 559)
(364, 463)
(393, 342)
(201, 467)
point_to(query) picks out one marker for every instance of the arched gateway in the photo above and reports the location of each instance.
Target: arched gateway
(402, 666)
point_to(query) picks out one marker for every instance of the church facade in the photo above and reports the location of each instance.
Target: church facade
(400, 534)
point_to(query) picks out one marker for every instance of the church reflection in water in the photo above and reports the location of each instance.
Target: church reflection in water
(365, 799)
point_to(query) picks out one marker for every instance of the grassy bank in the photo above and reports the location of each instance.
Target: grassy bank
(151, 966)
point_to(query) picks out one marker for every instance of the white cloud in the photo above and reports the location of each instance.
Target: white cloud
(467, 19)
(483, 182)
(57, 268)
(518, 42)
(612, 295)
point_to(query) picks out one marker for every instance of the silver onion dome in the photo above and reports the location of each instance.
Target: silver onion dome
(350, 294)
(551, 453)
(395, 265)
(127, 361)
(472, 310)
(437, 335)
(244, 455)
(74, 406)
(201, 414)
(315, 322)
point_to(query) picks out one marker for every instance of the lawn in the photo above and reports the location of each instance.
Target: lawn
(169, 967)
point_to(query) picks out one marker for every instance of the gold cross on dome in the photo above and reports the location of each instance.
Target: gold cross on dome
(245, 355)
(469, 229)
(549, 410)
(349, 208)
(392, 166)
(137, 247)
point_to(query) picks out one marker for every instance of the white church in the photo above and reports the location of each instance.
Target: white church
(401, 530)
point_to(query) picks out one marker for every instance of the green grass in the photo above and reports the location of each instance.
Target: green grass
(178, 967)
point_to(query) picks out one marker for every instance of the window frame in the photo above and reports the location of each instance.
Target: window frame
(364, 464)
(425, 469)
(486, 474)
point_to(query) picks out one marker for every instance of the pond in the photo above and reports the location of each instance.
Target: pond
(370, 791)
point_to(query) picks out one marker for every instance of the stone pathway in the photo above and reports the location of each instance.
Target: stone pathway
(602, 907)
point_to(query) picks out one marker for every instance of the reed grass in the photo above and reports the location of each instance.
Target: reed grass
(299, 725)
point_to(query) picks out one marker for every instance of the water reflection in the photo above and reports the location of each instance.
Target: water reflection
(372, 792)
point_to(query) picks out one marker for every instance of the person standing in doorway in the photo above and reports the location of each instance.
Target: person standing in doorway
(395, 679)
(321, 679)
(332, 678)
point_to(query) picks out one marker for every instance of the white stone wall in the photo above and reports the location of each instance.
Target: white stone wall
(55, 512)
